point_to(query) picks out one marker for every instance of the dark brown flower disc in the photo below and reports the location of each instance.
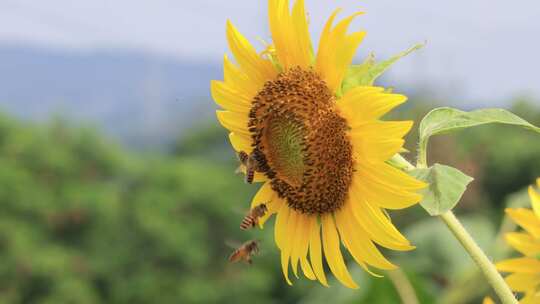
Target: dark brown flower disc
(301, 142)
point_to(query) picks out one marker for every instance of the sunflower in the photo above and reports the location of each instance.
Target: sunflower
(525, 277)
(321, 151)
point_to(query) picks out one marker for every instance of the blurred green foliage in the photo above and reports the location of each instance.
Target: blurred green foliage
(83, 220)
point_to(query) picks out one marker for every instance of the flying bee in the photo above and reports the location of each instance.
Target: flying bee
(244, 252)
(252, 218)
(251, 164)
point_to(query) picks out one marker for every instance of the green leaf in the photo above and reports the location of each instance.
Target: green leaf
(366, 73)
(398, 161)
(446, 186)
(378, 69)
(356, 72)
(446, 120)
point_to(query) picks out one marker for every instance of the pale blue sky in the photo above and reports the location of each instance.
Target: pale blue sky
(478, 51)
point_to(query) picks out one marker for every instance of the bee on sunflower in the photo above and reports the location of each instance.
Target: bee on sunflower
(320, 147)
(525, 270)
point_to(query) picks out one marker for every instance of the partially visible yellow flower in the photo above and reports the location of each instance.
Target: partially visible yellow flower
(488, 300)
(525, 270)
(320, 150)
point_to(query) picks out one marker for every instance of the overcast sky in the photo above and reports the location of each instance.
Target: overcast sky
(478, 51)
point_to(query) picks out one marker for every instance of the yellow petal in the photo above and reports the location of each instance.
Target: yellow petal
(295, 234)
(238, 80)
(360, 247)
(336, 50)
(526, 219)
(273, 207)
(324, 42)
(280, 228)
(257, 177)
(332, 252)
(382, 195)
(286, 242)
(290, 33)
(379, 129)
(523, 281)
(521, 265)
(523, 243)
(285, 265)
(531, 297)
(258, 69)
(240, 142)
(488, 300)
(302, 37)
(315, 254)
(386, 174)
(363, 104)
(263, 196)
(376, 149)
(377, 225)
(308, 224)
(301, 240)
(344, 55)
(303, 244)
(306, 269)
(379, 141)
(228, 98)
(234, 122)
(535, 201)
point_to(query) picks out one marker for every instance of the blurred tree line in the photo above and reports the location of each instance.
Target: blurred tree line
(82, 220)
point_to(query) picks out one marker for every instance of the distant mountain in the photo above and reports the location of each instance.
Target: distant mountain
(143, 99)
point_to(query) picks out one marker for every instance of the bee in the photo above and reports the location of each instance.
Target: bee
(244, 252)
(251, 164)
(252, 218)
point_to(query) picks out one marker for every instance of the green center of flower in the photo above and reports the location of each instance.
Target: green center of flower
(301, 142)
(285, 148)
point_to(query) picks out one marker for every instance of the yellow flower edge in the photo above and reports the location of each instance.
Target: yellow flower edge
(524, 271)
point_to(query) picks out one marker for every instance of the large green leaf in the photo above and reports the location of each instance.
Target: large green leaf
(446, 120)
(446, 186)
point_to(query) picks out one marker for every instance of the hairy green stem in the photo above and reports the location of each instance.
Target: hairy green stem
(422, 154)
(486, 266)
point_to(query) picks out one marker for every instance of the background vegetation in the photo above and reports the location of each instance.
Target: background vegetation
(83, 220)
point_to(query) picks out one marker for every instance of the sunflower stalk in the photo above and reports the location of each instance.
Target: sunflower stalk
(486, 266)
(465, 239)
(488, 269)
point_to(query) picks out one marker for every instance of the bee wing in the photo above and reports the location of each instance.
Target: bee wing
(238, 157)
(233, 244)
(258, 249)
(241, 169)
(240, 211)
(258, 252)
